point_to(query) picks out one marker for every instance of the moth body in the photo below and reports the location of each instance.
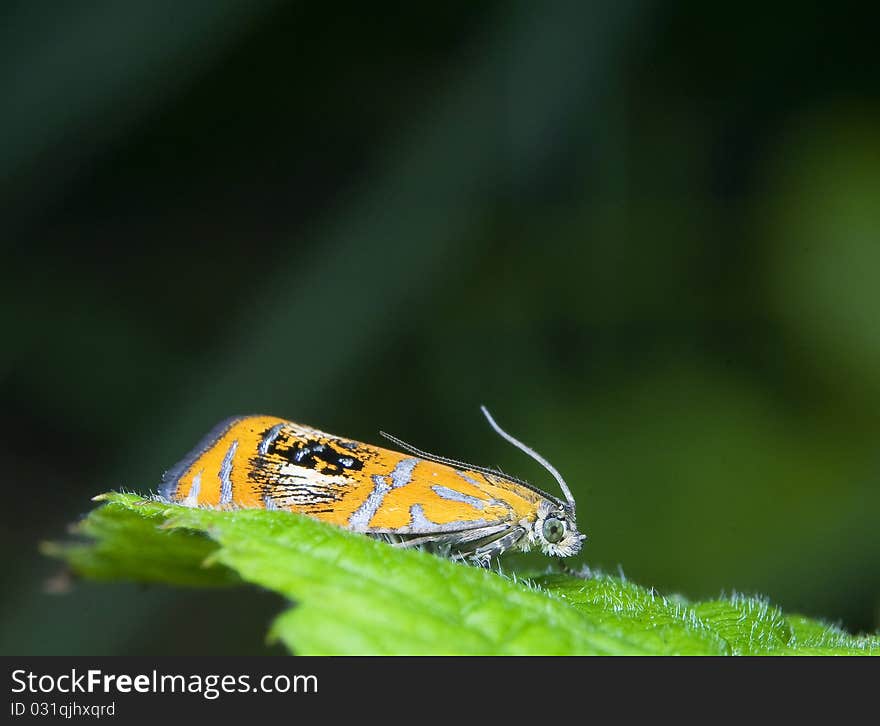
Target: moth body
(410, 499)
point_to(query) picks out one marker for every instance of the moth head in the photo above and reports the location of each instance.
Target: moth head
(555, 531)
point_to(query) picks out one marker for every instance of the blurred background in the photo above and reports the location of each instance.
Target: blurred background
(644, 234)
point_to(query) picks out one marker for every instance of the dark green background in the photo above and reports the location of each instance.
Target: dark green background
(644, 234)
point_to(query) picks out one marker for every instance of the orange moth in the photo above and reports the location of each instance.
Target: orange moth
(409, 499)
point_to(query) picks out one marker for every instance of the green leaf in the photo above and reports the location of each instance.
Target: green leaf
(351, 594)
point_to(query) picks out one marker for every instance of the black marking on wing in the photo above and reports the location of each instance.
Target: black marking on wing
(287, 489)
(315, 455)
(302, 494)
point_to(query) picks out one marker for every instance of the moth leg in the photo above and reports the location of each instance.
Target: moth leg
(448, 538)
(407, 542)
(497, 546)
(480, 544)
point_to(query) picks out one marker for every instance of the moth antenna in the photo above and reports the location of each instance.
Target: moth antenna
(531, 452)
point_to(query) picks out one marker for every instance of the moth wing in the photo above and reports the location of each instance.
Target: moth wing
(266, 462)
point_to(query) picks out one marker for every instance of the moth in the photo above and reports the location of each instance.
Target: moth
(411, 499)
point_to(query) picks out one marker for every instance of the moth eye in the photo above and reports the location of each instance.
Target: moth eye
(553, 529)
